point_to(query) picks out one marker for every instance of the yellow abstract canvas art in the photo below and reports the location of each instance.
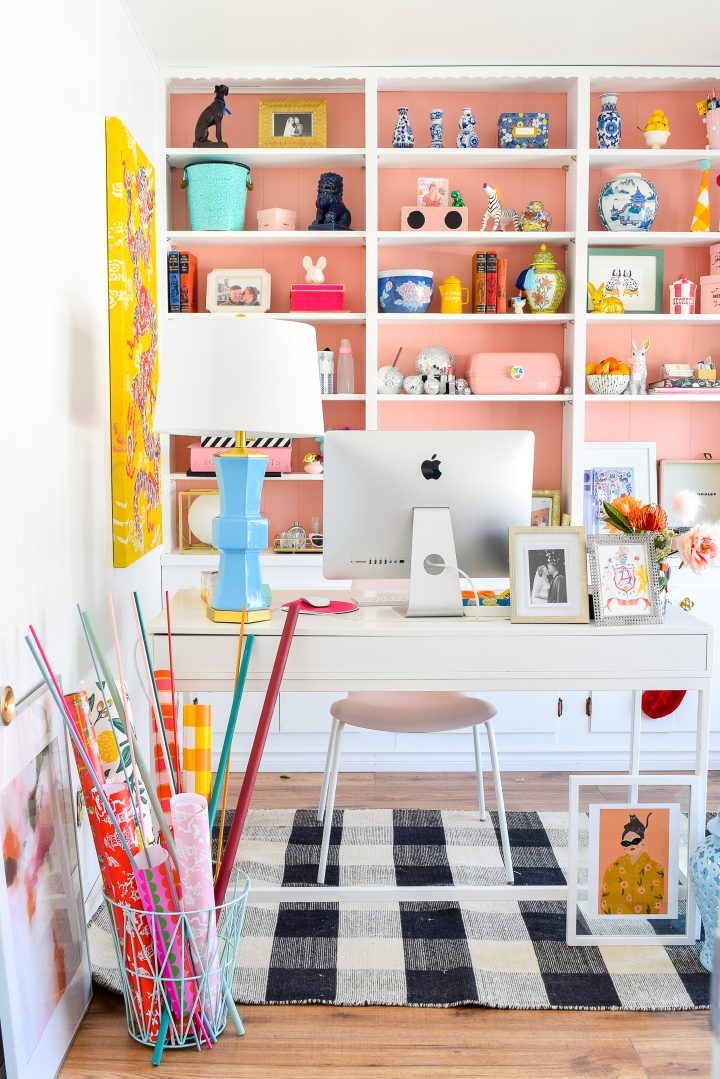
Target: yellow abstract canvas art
(133, 317)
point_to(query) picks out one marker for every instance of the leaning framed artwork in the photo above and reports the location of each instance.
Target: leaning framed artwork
(613, 469)
(633, 275)
(548, 577)
(628, 861)
(45, 983)
(292, 123)
(701, 476)
(133, 329)
(545, 508)
(624, 577)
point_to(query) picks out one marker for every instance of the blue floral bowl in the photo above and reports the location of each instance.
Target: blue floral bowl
(405, 292)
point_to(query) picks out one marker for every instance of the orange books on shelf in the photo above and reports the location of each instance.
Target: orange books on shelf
(501, 285)
(188, 281)
(491, 282)
(479, 282)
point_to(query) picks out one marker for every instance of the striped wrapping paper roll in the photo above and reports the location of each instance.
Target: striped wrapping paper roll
(197, 737)
(162, 779)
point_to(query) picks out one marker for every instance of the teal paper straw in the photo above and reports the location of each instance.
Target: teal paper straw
(230, 730)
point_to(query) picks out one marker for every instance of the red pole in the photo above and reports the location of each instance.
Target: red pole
(253, 765)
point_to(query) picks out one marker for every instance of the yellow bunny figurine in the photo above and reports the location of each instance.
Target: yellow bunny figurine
(602, 304)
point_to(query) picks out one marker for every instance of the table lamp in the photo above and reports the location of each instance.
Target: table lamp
(228, 375)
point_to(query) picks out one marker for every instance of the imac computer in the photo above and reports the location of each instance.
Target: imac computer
(424, 505)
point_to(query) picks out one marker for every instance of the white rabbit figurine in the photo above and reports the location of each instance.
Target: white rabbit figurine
(314, 274)
(637, 386)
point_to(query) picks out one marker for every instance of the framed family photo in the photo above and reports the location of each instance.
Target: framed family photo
(293, 122)
(624, 578)
(545, 509)
(45, 985)
(241, 291)
(633, 275)
(613, 469)
(548, 576)
(628, 861)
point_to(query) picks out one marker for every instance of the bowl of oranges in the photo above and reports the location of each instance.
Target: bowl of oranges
(609, 377)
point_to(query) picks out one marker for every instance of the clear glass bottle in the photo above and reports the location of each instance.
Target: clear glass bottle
(297, 536)
(345, 375)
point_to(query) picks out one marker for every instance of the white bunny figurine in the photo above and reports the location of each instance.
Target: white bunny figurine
(314, 274)
(637, 386)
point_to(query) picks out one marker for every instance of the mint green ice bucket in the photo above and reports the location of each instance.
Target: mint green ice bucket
(217, 194)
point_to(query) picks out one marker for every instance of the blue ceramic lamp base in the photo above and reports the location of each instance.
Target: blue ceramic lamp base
(240, 534)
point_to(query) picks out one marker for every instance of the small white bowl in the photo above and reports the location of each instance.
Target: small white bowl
(656, 138)
(608, 385)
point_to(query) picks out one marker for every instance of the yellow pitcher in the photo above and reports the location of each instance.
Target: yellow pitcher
(451, 296)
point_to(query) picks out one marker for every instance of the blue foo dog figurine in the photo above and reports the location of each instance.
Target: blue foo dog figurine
(332, 213)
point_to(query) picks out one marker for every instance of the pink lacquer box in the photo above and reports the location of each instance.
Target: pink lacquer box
(202, 458)
(276, 220)
(317, 297)
(514, 372)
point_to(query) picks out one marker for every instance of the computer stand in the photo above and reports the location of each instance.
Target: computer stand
(434, 581)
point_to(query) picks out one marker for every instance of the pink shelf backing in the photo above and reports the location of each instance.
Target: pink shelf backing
(686, 433)
(686, 127)
(486, 109)
(345, 117)
(517, 187)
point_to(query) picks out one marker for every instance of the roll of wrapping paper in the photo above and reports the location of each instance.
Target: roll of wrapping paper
(191, 829)
(197, 738)
(120, 885)
(80, 708)
(179, 979)
(162, 777)
(115, 754)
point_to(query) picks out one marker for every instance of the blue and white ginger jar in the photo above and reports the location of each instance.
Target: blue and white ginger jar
(628, 203)
(436, 129)
(467, 139)
(609, 123)
(705, 878)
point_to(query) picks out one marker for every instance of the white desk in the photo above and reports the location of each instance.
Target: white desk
(377, 649)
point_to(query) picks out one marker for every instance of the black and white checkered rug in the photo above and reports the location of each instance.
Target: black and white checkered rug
(499, 955)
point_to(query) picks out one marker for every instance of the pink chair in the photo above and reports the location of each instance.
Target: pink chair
(411, 713)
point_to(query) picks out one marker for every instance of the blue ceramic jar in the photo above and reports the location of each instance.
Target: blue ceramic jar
(628, 203)
(705, 877)
(609, 123)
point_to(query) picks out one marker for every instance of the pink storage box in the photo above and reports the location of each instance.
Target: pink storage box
(710, 295)
(202, 458)
(317, 297)
(275, 220)
(514, 372)
(715, 259)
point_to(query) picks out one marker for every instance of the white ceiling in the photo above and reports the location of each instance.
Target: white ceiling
(304, 33)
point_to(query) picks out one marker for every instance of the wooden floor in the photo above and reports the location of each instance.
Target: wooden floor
(322, 1042)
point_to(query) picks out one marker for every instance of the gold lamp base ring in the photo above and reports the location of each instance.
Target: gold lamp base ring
(239, 616)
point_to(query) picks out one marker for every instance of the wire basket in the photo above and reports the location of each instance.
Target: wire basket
(176, 970)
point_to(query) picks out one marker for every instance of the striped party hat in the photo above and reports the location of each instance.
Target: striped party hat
(701, 216)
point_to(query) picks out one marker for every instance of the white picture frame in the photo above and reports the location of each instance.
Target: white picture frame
(632, 274)
(701, 476)
(238, 292)
(41, 1005)
(624, 575)
(637, 457)
(548, 575)
(583, 880)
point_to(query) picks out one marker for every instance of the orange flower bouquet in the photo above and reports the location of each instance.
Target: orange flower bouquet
(630, 515)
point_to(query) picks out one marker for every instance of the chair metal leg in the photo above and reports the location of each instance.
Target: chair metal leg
(330, 805)
(479, 771)
(507, 857)
(326, 773)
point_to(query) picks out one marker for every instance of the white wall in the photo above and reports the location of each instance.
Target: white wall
(66, 67)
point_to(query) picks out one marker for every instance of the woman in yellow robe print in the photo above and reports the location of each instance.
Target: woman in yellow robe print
(634, 883)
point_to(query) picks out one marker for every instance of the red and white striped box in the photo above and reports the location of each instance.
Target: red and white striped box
(682, 296)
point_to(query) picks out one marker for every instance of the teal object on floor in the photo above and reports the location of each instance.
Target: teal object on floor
(240, 533)
(705, 877)
(217, 195)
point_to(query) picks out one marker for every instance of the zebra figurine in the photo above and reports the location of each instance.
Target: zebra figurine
(495, 210)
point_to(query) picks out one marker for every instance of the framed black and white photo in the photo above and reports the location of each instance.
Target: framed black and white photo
(548, 576)
(624, 577)
(45, 982)
(292, 122)
(238, 291)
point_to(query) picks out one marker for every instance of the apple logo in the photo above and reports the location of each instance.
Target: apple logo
(431, 469)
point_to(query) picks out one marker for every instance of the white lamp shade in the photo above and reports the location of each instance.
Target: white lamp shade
(224, 374)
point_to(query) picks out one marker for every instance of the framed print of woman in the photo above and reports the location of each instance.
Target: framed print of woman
(635, 882)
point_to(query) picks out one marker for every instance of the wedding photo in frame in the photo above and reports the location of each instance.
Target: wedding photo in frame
(637, 847)
(45, 982)
(548, 576)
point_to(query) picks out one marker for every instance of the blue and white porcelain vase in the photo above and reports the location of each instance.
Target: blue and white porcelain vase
(467, 139)
(705, 878)
(403, 138)
(609, 123)
(436, 129)
(628, 203)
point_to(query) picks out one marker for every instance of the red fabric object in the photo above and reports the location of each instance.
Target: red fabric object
(253, 764)
(658, 703)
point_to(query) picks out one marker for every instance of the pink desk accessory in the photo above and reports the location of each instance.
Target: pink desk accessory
(335, 606)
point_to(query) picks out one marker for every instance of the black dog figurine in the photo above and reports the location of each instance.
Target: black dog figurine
(212, 116)
(332, 214)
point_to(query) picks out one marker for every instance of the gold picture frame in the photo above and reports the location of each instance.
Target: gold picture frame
(560, 594)
(187, 542)
(279, 118)
(542, 497)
